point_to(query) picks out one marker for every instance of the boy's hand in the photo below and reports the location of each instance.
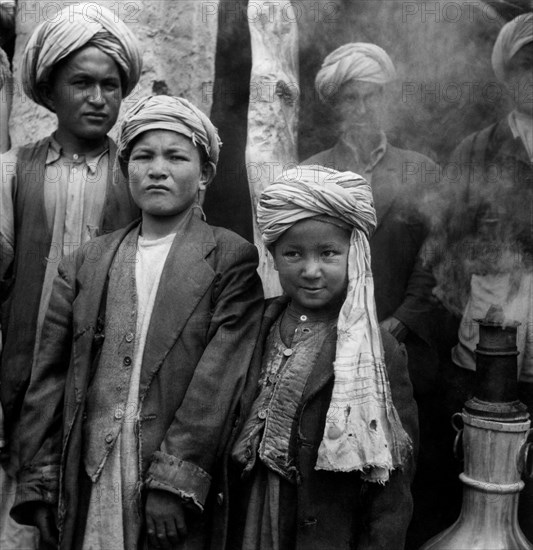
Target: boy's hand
(165, 520)
(44, 519)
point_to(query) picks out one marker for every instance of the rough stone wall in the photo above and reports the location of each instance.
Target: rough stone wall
(178, 39)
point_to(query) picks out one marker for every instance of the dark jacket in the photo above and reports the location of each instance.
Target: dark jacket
(337, 511)
(20, 292)
(199, 343)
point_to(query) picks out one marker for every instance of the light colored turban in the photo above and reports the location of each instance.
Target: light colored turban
(355, 61)
(513, 36)
(163, 112)
(76, 26)
(363, 431)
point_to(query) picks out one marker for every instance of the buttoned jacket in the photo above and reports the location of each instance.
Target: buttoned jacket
(335, 511)
(199, 343)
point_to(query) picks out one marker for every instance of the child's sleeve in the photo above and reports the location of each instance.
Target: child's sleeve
(202, 425)
(387, 509)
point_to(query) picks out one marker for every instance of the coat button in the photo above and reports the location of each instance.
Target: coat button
(127, 361)
(287, 352)
(129, 337)
(119, 413)
(109, 438)
(262, 414)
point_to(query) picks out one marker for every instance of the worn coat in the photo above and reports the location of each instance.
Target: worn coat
(22, 279)
(199, 343)
(336, 511)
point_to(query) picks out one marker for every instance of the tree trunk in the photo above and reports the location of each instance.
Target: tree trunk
(273, 109)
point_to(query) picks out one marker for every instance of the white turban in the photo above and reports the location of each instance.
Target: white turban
(355, 61)
(513, 36)
(74, 27)
(363, 431)
(163, 112)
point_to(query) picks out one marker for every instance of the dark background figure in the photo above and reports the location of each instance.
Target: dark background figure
(484, 238)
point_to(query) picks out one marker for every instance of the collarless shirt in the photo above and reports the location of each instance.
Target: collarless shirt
(74, 198)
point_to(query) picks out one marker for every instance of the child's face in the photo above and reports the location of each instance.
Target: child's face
(85, 94)
(165, 173)
(312, 261)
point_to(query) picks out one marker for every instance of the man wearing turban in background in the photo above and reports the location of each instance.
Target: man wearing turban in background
(57, 193)
(147, 338)
(485, 238)
(353, 82)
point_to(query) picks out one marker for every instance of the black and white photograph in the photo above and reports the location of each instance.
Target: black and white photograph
(266, 274)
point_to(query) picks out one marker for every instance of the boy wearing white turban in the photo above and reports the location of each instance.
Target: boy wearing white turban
(148, 337)
(329, 420)
(57, 193)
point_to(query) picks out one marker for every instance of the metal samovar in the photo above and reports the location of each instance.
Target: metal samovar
(496, 452)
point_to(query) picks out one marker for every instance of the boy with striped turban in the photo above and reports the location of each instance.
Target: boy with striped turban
(57, 193)
(145, 348)
(326, 448)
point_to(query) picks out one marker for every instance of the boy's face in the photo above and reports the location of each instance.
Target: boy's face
(165, 173)
(312, 261)
(85, 94)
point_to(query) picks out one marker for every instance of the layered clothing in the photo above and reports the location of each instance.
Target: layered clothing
(49, 206)
(199, 341)
(311, 508)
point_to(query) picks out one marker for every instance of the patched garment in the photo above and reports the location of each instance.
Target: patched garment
(285, 371)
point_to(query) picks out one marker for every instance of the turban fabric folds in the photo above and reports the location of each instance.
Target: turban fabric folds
(513, 36)
(162, 112)
(355, 61)
(76, 26)
(363, 430)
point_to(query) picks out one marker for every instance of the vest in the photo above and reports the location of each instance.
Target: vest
(106, 405)
(33, 239)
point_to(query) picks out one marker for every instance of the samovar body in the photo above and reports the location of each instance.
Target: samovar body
(494, 435)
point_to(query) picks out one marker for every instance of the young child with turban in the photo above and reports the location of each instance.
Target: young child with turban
(145, 348)
(58, 192)
(327, 445)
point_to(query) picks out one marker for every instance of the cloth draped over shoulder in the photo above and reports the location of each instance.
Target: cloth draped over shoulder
(76, 26)
(354, 61)
(363, 430)
(513, 36)
(176, 114)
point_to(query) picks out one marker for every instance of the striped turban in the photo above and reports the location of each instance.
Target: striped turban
(163, 112)
(513, 36)
(355, 61)
(74, 27)
(363, 430)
